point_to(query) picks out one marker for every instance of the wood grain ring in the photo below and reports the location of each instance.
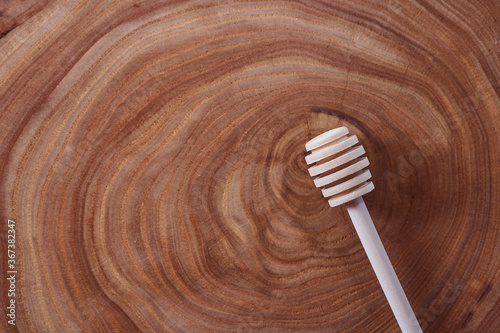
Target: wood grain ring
(152, 154)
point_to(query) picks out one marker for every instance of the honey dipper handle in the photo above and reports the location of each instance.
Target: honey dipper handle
(382, 266)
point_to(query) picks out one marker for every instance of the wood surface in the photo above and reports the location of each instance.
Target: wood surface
(152, 157)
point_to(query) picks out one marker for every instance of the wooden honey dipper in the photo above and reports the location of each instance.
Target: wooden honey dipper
(345, 179)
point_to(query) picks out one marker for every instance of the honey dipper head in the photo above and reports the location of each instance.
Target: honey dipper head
(340, 166)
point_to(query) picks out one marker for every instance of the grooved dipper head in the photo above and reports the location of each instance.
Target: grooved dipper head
(340, 166)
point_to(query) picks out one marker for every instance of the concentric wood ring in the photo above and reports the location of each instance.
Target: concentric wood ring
(152, 156)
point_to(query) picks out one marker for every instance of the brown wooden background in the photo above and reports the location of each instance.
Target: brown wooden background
(152, 156)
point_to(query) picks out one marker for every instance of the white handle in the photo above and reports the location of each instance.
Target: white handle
(382, 266)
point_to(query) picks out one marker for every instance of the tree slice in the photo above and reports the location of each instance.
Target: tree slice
(152, 157)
